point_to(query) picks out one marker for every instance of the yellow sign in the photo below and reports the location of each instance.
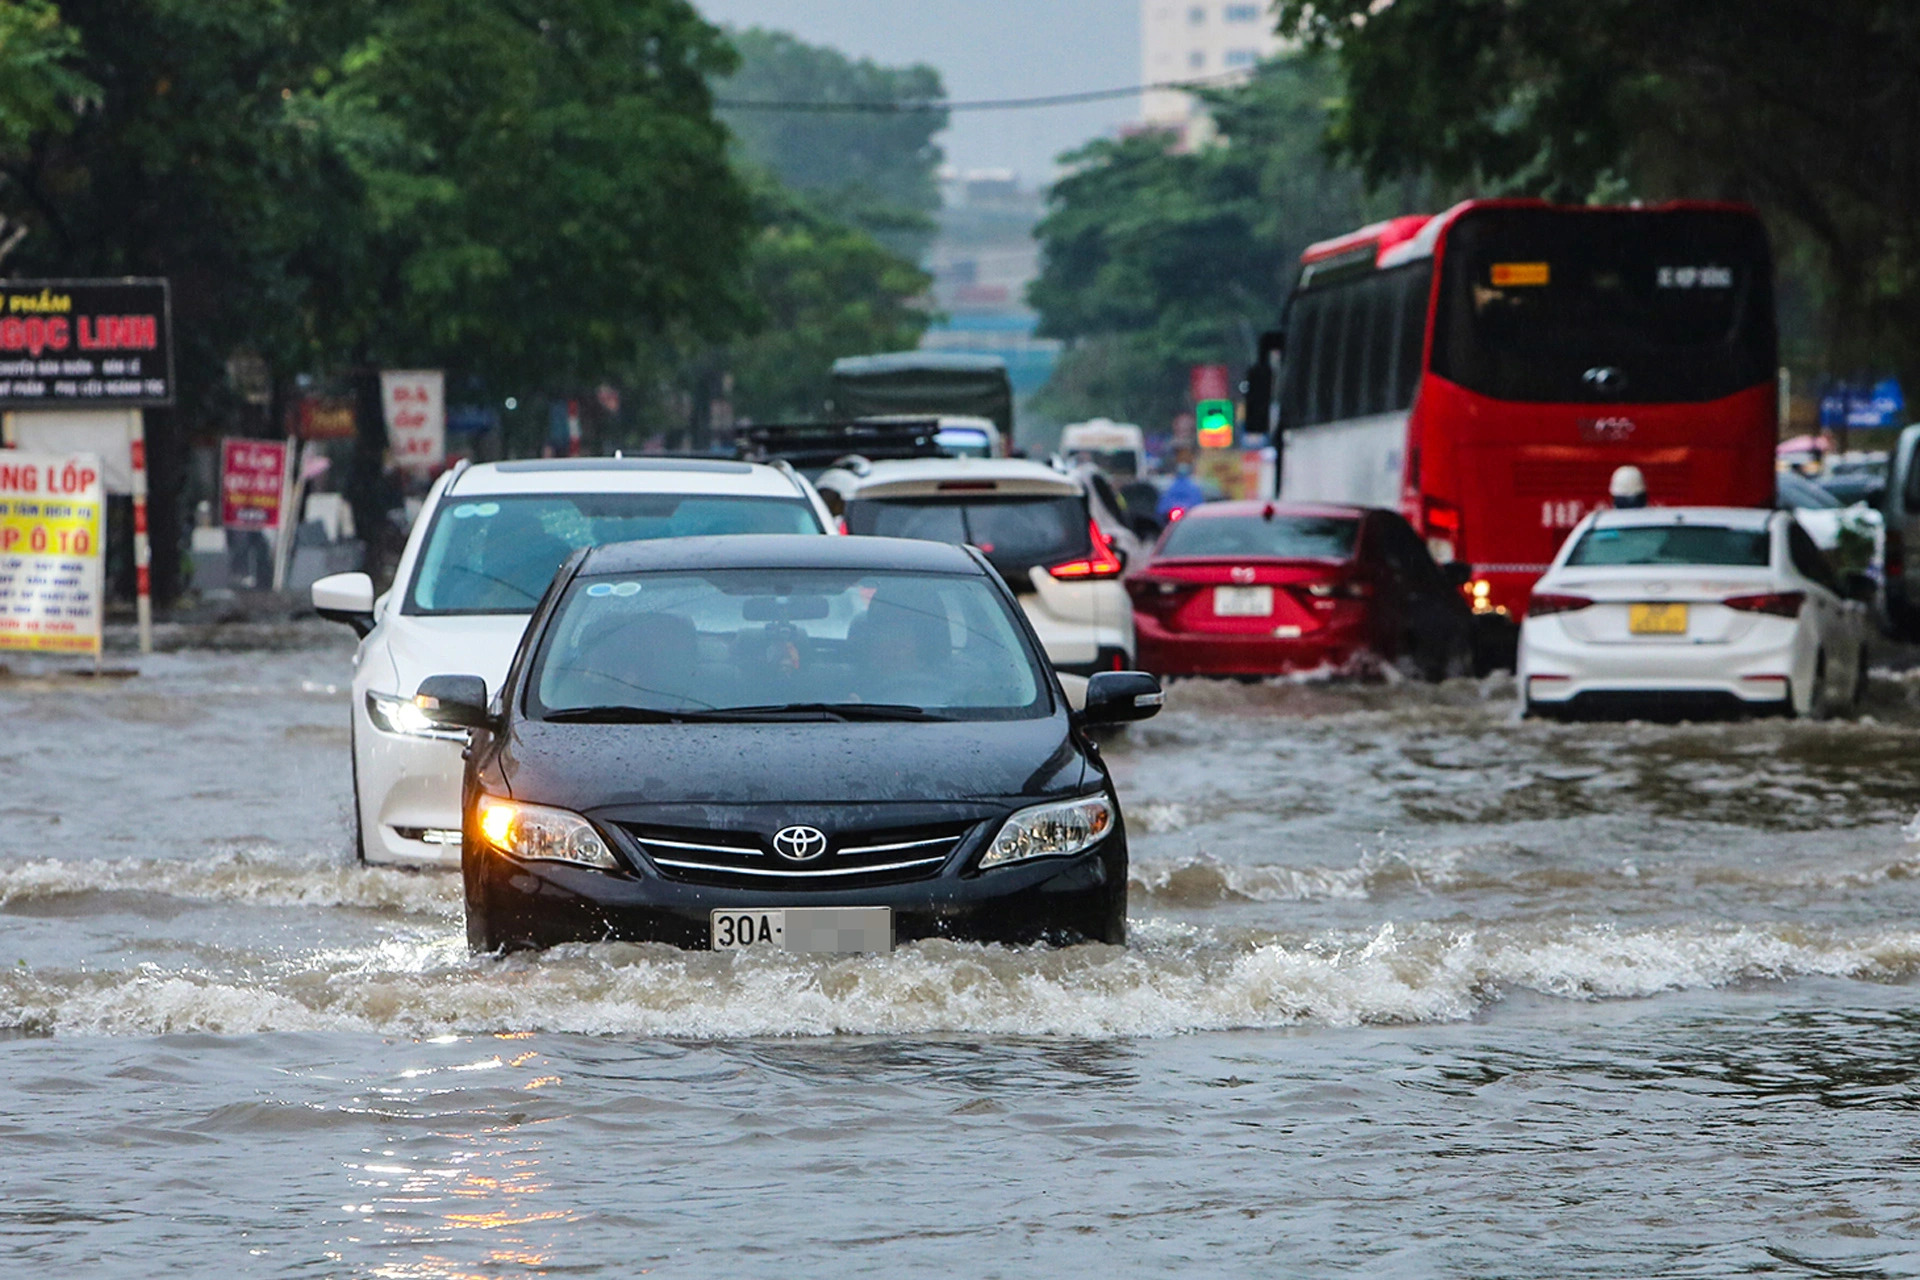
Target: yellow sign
(50, 555)
(1518, 275)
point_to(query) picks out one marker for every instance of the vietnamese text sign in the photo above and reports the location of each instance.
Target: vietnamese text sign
(416, 408)
(50, 555)
(252, 474)
(85, 343)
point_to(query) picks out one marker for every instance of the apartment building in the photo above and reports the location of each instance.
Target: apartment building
(1190, 39)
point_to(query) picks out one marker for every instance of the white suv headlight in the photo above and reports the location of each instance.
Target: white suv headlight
(536, 833)
(392, 713)
(1050, 831)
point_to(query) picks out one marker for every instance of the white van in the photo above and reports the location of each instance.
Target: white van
(1117, 448)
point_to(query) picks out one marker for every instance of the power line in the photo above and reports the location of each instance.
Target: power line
(905, 106)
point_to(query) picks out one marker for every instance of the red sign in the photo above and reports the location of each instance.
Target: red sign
(325, 418)
(252, 474)
(1209, 382)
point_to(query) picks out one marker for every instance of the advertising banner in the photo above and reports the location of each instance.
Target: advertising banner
(85, 344)
(51, 562)
(252, 475)
(324, 418)
(416, 407)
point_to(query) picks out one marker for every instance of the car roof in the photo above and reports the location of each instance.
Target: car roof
(1243, 508)
(1754, 518)
(916, 475)
(780, 551)
(625, 475)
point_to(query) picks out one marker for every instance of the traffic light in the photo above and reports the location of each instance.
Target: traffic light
(1213, 424)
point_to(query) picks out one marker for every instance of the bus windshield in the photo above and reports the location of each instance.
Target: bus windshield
(1632, 306)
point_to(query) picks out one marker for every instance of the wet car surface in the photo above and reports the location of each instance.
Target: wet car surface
(1413, 987)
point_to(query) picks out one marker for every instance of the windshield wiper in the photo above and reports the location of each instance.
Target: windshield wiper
(619, 715)
(836, 710)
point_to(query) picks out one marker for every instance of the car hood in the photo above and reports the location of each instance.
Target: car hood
(680, 774)
(480, 645)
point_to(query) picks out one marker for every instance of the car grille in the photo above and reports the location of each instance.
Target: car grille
(853, 859)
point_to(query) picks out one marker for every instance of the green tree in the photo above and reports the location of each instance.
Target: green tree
(823, 290)
(1807, 111)
(1156, 259)
(877, 171)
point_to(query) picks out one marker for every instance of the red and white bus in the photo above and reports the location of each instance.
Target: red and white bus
(1485, 370)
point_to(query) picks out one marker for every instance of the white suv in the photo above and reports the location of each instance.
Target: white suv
(1034, 525)
(481, 554)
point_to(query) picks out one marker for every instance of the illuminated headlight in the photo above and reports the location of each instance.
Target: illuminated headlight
(391, 713)
(535, 833)
(1051, 831)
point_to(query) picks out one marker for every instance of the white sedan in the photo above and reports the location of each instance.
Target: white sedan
(1676, 610)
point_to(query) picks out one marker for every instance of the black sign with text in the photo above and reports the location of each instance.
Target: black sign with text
(73, 344)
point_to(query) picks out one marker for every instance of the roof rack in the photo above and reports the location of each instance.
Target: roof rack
(814, 445)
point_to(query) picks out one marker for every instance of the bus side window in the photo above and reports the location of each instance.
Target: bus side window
(1414, 285)
(1910, 491)
(1303, 341)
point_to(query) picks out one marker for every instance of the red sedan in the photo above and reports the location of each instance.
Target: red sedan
(1262, 588)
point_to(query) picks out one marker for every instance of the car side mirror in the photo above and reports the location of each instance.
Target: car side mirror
(346, 597)
(455, 701)
(1861, 587)
(1458, 573)
(1117, 697)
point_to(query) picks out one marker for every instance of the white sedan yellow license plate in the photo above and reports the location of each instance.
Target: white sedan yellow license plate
(1242, 602)
(813, 930)
(1657, 619)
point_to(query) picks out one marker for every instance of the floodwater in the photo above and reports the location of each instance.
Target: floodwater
(1415, 989)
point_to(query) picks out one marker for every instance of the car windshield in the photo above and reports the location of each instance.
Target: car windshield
(1284, 537)
(1015, 533)
(763, 643)
(497, 555)
(1689, 544)
(965, 442)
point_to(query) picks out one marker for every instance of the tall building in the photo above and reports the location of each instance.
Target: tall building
(1191, 39)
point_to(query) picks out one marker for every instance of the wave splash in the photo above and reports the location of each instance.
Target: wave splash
(256, 877)
(1178, 979)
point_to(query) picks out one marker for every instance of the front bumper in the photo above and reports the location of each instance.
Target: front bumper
(513, 905)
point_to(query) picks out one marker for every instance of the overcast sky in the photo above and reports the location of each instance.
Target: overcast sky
(983, 49)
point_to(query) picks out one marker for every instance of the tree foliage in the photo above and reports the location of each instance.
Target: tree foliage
(1808, 110)
(877, 171)
(1157, 258)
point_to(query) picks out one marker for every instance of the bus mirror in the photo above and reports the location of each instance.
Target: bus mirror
(1262, 379)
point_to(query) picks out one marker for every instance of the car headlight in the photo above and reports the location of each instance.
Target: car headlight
(535, 833)
(392, 713)
(1051, 831)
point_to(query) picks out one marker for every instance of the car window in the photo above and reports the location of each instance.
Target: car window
(497, 555)
(1653, 544)
(732, 638)
(1809, 559)
(1794, 490)
(1015, 533)
(1286, 537)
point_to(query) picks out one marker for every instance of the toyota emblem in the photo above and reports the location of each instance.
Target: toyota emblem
(800, 844)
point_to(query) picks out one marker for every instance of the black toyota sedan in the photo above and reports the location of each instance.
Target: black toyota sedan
(821, 744)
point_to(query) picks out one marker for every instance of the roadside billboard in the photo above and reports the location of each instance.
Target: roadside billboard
(253, 477)
(84, 344)
(51, 560)
(416, 408)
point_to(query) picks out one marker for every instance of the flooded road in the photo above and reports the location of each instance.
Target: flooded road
(1415, 989)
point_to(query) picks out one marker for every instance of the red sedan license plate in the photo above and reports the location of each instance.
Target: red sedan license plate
(1243, 602)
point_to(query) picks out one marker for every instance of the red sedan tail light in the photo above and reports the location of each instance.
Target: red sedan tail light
(1101, 563)
(1781, 604)
(1548, 602)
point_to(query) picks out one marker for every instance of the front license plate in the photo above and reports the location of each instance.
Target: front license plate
(814, 930)
(1242, 602)
(1657, 619)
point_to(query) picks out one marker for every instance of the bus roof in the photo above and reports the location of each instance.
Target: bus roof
(1410, 238)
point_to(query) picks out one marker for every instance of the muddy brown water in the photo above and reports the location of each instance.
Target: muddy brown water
(1415, 988)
